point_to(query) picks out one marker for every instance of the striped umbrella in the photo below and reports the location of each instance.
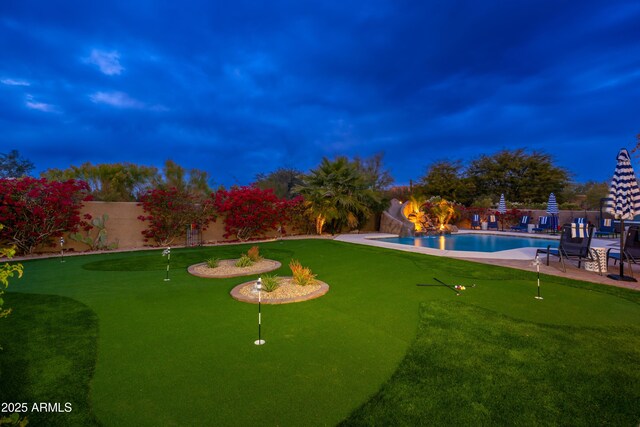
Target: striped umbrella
(552, 209)
(623, 201)
(502, 205)
(502, 209)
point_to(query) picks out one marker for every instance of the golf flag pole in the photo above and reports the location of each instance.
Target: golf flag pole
(537, 264)
(61, 249)
(167, 253)
(260, 341)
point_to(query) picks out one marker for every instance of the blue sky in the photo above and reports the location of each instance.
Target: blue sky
(238, 88)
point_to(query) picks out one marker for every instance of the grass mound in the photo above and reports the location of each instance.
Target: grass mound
(49, 356)
(471, 366)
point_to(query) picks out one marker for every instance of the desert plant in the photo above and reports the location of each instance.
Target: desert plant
(244, 261)
(254, 254)
(213, 262)
(100, 241)
(270, 282)
(302, 276)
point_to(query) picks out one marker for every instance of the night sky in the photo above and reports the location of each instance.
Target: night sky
(243, 87)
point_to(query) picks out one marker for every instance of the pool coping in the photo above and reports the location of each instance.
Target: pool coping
(369, 239)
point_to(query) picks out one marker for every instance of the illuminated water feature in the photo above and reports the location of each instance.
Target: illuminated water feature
(472, 242)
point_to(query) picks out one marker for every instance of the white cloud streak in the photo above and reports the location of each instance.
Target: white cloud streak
(40, 106)
(15, 82)
(107, 62)
(123, 100)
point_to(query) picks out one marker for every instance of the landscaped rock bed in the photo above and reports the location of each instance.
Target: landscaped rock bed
(227, 268)
(287, 292)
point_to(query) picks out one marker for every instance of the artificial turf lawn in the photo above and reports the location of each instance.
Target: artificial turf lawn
(182, 353)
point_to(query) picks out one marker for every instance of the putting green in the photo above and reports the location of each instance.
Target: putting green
(181, 352)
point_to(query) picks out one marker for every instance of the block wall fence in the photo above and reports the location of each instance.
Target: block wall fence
(124, 226)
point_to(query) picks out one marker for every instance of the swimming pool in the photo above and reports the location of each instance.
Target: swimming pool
(472, 242)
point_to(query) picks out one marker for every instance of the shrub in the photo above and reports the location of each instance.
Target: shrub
(254, 254)
(250, 212)
(169, 212)
(244, 261)
(213, 262)
(302, 276)
(270, 282)
(37, 212)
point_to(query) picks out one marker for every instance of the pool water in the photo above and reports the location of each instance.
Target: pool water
(472, 242)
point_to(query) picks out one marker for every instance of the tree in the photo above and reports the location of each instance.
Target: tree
(584, 195)
(6, 272)
(281, 181)
(446, 178)
(251, 211)
(376, 177)
(520, 176)
(35, 211)
(12, 166)
(110, 182)
(193, 181)
(170, 211)
(336, 193)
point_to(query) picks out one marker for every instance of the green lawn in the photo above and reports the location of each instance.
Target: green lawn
(107, 334)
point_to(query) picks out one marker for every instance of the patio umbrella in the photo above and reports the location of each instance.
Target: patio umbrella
(552, 209)
(502, 209)
(623, 201)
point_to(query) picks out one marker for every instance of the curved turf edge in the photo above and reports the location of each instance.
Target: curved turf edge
(49, 355)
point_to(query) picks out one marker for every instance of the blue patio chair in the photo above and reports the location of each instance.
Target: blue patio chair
(523, 226)
(631, 250)
(544, 224)
(475, 221)
(575, 244)
(606, 228)
(580, 220)
(492, 223)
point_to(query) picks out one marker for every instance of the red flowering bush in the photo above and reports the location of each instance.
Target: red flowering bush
(171, 211)
(36, 211)
(251, 212)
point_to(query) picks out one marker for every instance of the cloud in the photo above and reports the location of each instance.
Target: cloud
(116, 99)
(108, 62)
(40, 106)
(122, 100)
(15, 82)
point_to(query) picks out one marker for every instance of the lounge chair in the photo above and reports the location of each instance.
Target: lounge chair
(523, 226)
(544, 224)
(580, 221)
(475, 221)
(575, 244)
(606, 228)
(492, 223)
(631, 249)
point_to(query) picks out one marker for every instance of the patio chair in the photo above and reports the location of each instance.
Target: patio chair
(575, 244)
(475, 221)
(580, 220)
(606, 228)
(544, 224)
(492, 223)
(523, 226)
(631, 250)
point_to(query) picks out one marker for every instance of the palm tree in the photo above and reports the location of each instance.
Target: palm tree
(337, 195)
